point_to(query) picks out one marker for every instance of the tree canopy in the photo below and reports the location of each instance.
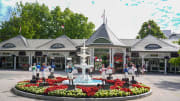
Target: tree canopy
(33, 20)
(150, 27)
(175, 61)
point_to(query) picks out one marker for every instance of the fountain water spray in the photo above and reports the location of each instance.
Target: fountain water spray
(84, 79)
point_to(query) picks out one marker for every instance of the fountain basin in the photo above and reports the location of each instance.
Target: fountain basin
(84, 81)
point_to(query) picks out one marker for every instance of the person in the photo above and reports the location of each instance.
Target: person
(38, 67)
(126, 71)
(52, 68)
(70, 75)
(138, 69)
(133, 70)
(143, 69)
(103, 73)
(34, 69)
(43, 67)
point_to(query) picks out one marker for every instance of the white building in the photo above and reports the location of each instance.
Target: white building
(19, 52)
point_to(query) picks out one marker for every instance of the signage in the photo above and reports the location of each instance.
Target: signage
(154, 55)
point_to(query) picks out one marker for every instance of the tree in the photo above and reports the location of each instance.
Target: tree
(150, 27)
(33, 20)
(175, 61)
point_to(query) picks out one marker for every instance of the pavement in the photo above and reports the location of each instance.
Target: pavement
(164, 87)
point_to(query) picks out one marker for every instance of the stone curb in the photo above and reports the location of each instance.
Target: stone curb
(55, 98)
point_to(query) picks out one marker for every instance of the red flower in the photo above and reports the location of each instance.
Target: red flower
(29, 85)
(90, 91)
(55, 88)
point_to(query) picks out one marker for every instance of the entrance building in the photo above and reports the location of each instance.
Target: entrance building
(104, 47)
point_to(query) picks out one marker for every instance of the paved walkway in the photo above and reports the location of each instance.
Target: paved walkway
(165, 87)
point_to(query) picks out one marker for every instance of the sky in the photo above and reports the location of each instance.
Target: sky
(124, 17)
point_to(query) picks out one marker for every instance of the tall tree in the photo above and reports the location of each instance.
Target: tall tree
(33, 20)
(150, 27)
(175, 61)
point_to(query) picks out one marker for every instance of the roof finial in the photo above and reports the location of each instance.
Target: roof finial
(104, 17)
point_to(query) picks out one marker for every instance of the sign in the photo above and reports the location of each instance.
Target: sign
(154, 55)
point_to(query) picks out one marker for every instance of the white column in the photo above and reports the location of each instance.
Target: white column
(29, 60)
(65, 61)
(142, 61)
(110, 54)
(124, 58)
(93, 56)
(14, 62)
(113, 58)
(46, 59)
(165, 64)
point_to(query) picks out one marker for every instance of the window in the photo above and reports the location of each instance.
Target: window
(174, 54)
(22, 53)
(134, 54)
(101, 40)
(57, 45)
(38, 53)
(152, 46)
(8, 45)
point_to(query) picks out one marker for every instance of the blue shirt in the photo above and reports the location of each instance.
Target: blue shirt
(125, 70)
(43, 67)
(38, 67)
(53, 66)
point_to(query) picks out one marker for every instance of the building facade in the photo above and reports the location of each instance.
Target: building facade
(104, 47)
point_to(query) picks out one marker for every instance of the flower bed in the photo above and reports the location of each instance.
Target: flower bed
(55, 88)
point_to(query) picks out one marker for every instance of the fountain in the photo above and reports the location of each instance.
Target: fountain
(84, 79)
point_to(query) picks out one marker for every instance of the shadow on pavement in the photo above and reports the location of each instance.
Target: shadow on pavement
(168, 85)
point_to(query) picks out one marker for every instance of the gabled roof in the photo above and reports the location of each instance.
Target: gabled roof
(66, 41)
(19, 41)
(149, 39)
(174, 36)
(104, 32)
(129, 42)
